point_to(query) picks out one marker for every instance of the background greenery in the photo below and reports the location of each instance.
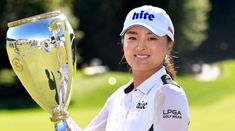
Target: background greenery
(204, 34)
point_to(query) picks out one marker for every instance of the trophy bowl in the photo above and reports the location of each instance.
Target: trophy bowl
(42, 54)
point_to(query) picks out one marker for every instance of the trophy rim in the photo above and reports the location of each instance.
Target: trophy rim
(33, 18)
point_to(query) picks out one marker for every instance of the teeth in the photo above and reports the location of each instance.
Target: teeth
(142, 56)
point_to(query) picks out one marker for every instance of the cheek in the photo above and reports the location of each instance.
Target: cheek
(126, 52)
(159, 51)
(127, 48)
(128, 45)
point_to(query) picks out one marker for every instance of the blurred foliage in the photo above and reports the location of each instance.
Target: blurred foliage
(101, 22)
(7, 76)
(190, 18)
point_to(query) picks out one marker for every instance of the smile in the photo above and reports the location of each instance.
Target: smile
(142, 56)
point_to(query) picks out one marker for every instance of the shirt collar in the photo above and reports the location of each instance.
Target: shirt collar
(149, 83)
(129, 88)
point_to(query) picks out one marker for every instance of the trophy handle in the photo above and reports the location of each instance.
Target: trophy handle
(67, 29)
(69, 66)
(60, 117)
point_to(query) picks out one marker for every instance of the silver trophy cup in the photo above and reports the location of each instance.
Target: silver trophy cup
(42, 54)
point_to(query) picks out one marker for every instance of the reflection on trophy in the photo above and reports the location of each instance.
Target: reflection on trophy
(42, 55)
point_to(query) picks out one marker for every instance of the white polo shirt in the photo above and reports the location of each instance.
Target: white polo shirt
(156, 104)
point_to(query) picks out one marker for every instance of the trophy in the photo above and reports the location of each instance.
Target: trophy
(42, 54)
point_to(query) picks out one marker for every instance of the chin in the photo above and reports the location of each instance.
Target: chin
(144, 69)
(140, 69)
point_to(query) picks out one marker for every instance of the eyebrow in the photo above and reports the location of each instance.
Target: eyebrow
(131, 32)
(135, 33)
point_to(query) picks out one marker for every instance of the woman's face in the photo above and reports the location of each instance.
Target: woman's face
(143, 50)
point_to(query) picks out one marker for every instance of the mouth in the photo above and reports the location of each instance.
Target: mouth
(141, 56)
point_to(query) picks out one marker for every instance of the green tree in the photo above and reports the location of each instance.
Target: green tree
(190, 18)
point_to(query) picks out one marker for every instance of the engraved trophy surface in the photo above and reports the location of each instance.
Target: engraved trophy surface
(42, 54)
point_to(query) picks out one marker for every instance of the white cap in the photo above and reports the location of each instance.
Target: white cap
(153, 18)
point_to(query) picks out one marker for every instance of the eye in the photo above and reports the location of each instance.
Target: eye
(152, 38)
(131, 38)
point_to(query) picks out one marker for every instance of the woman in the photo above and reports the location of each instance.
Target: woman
(151, 100)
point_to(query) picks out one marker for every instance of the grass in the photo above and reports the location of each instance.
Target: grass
(218, 116)
(93, 91)
(204, 93)
(38, 120)
(212, 103)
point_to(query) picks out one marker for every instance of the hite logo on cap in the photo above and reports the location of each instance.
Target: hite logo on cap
(143, 15)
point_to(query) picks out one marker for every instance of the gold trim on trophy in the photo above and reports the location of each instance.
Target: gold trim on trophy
(33, 18)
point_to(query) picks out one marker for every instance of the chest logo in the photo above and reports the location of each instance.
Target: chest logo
(172, 113)
(141, 105)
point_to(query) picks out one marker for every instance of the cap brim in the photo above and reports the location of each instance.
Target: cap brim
(156, 32)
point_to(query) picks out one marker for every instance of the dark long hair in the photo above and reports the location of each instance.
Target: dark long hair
(169, 63)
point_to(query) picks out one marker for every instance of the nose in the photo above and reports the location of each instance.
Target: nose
(141, 45)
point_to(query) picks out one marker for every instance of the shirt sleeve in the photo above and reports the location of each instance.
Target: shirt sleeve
(172, 112)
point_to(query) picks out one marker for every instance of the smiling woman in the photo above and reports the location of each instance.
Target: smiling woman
(151, 100)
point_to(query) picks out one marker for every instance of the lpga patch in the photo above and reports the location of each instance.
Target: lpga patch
(172, 113)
